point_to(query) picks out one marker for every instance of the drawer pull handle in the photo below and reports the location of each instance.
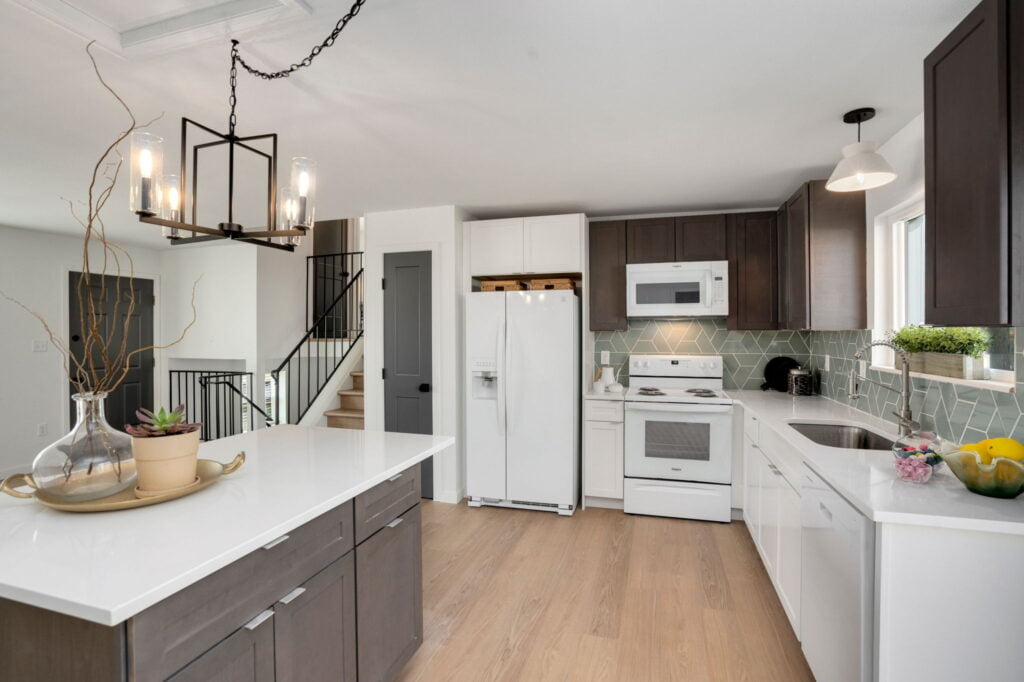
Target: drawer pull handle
(395, 522)
(259, 620)
(394, 478)
(293, 595)
(274, 543)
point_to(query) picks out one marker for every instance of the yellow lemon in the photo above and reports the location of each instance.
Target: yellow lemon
(981, 449)
(1004, 447)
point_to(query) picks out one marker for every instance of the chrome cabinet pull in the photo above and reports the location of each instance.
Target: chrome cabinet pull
(395, 522)
(292, 596)
(394, 478)
(259, 620)
(274, 543)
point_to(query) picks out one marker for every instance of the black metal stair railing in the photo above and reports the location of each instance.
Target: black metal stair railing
(335, 327)
(220, 400)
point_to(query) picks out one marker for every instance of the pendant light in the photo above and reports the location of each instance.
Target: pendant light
(861, 167)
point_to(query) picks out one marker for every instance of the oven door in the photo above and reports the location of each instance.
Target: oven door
(679, 442)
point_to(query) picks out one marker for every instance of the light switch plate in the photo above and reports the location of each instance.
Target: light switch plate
(606, 357)
(39, 346)
(827, 363)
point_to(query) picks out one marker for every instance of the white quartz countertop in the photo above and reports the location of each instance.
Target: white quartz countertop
(106, 567)
(866, 477)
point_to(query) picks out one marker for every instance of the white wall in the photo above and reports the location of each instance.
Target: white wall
(34, 268)
(439, 230)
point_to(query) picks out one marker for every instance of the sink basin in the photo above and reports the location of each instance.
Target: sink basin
(844, 436)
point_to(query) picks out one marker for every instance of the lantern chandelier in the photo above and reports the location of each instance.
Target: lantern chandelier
(159, 199)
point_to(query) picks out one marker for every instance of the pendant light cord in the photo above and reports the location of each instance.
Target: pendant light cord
(237, 59)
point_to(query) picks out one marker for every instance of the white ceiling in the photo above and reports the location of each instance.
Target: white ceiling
(501, 107)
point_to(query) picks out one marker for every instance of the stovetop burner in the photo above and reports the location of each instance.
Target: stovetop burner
(648, 390)
(699, 391)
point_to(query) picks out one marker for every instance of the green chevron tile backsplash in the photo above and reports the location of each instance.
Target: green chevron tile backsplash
(744, 354)
(964, 414)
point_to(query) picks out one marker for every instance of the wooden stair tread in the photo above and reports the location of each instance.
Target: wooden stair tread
(357, 373)
(336, 412)
(351, 391)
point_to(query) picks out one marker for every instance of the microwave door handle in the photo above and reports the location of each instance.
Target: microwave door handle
(705, 294)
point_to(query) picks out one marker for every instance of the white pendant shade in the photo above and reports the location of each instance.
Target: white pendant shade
(861, 168)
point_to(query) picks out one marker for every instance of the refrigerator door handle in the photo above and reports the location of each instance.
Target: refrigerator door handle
(499, 357)
(508, 378)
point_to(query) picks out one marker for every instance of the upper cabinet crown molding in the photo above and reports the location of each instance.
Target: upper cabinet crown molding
(974, 170)
(532, 245)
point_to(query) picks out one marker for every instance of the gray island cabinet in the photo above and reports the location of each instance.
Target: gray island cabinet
(337, 598)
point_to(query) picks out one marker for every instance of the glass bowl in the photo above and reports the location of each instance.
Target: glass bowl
(1003, 477)
(918, 455)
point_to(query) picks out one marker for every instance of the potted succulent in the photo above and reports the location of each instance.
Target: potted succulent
(956, 352)
(165, 448)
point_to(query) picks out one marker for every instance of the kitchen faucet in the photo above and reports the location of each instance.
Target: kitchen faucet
(905, 417)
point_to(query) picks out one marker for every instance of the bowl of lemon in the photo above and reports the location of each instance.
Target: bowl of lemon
(992, 467)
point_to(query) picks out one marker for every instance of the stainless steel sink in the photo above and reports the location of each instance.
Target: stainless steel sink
(843, 436)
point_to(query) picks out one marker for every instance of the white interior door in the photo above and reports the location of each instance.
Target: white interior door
(485, 395)
(542, 357)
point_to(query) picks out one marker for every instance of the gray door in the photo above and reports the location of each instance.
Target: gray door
(407, 372)
(110, 296)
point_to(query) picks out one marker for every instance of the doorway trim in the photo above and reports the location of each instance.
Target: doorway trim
(159, 364)
(441, 492)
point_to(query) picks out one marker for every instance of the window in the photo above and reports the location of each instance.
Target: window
(901, 268)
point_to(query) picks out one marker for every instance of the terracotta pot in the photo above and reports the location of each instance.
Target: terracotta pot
(166, 462)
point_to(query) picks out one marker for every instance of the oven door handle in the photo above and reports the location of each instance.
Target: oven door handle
(680, 408)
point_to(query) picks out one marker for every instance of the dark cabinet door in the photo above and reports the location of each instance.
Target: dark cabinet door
(836, 259)
(753, 272)
(245, 656)
(966, 170)
(780, 266)
(651, 240)
(389, 595)
(315, 628)
(608, 276)
(796, 293)
(701, 237)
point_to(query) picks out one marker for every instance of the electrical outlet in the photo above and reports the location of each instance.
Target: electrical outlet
(863, 367)
(828, 358)
(39, 346)
(606, 357)
(42, 429)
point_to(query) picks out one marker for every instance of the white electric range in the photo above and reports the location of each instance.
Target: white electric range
(678, 450)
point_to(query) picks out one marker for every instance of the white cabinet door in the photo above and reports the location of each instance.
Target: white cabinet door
(496, 247)
(769, 513)
(788, 578)
(553, 244)
(602, 452)
(751, 490)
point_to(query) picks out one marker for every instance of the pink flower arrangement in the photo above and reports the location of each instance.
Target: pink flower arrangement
(913, 469)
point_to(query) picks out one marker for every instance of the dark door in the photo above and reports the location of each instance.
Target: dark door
(797, 227)
(110, 296)
(651, 240)
(608, 276)
(315, 627)
(780, 265)
(408, 403)
(701, 237)
(966, 236)
(389, 597)
(753, 271)
(245, 656)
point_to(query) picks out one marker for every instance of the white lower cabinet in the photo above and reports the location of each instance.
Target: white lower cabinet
(603, 454)
(771, 508)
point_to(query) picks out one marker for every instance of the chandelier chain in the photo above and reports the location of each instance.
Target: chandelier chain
(237, 59)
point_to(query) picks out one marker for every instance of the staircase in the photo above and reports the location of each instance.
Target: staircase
(350, 415)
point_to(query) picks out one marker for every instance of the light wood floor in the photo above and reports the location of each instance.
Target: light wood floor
(521, 595)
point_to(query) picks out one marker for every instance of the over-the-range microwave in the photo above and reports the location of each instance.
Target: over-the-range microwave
(694, 289)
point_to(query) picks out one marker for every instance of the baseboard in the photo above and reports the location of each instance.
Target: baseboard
(602, 502)
(447, 496)
(737, 514)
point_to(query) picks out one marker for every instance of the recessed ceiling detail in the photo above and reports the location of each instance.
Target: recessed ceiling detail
(130, 29)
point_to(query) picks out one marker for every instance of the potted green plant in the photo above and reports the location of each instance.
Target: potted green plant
(165, 448)
(956, 352)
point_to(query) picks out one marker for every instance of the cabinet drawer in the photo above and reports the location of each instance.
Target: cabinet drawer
(751, 425)
(170, 634)
(384, 502)
(602, 410)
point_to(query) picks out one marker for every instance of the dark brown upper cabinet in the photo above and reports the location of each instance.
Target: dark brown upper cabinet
(824, 260)
(753, 271)
(607, 280)
(974, 170)
(780, 265)
(651, 240)
(701, 237)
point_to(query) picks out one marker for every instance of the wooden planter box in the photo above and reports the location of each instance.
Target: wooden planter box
(952, 365)
(916, 361)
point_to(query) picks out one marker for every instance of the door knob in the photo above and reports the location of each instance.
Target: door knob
(424, 388)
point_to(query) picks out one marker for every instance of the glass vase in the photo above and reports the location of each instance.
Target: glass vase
(92, 461)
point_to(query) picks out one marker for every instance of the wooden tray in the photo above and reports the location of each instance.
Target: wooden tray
(557, 283)
(208, 472)
(502, 285)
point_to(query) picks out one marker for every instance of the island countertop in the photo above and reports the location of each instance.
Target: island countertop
(107, 567)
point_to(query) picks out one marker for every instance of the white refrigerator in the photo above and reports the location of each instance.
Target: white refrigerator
(522, 399)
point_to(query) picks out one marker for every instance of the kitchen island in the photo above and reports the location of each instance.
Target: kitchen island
(257, 577)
